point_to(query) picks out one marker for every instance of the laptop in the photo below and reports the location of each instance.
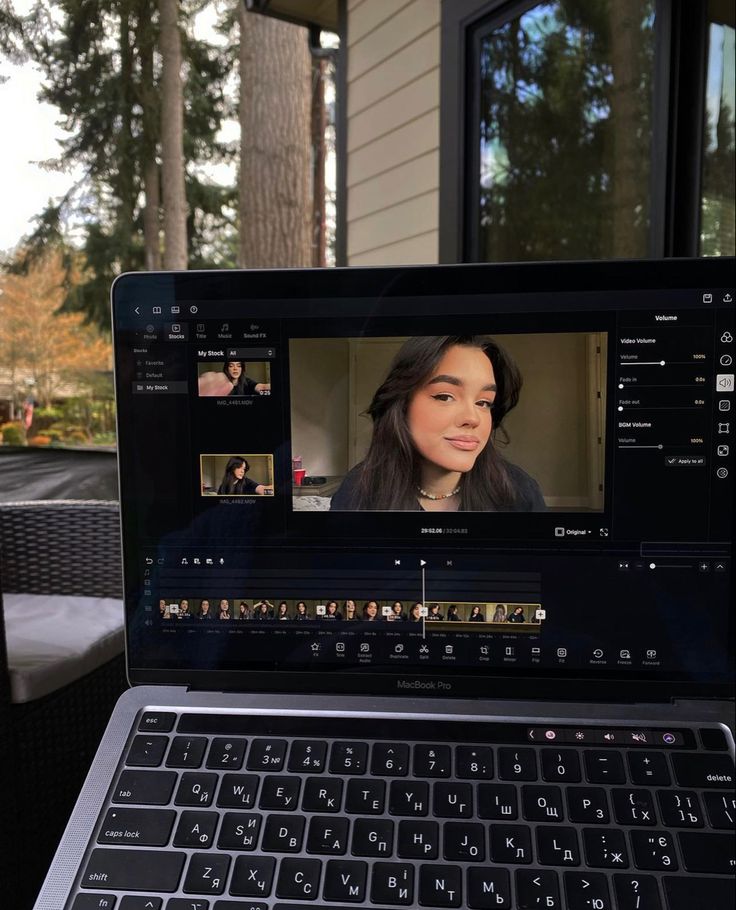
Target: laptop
(429, 593)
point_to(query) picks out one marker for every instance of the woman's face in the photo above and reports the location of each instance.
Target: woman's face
(301, 607)
(331, 606)
(233, 370)
(224, 605)
(371, 608)
(184, 606)
(416, 610)
(397, 608)
(239, 471)
(449, 418)
(205, 606)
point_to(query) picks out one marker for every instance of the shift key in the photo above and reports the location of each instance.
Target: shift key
(134, 870)
(704, 770)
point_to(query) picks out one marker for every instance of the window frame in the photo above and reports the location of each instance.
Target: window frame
(678, 111)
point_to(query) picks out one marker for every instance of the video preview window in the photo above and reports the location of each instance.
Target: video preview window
(236, 475)
(233, 378)
(499, 423)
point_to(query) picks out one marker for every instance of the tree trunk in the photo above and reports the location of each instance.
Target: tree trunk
(274, 182)
(151, 175)
(627, 176)
(172, 138)
(319, 155)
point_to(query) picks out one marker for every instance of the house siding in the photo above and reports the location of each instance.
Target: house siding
(393, 66)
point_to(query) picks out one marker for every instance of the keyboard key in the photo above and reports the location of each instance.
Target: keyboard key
(708, 852)
(157, 721)
(238, 791)
(714, 739)
(497, 801)
(511, 844)
(281, 793)
(605, 848)
(440, 886)
(557, 846)
(648, 768)
(633, 807)
(283, 833)
(587, 805)
(144, 827)
(147, 751)
(307, 756)
(452, 800)
(239, 831)
(653, 850)
(186, 903)
(186, 752)
(464, 842)
(373, 837)
(432, 761)
(146, 788)
(604, 767)
(489, 888)
(584, 890)
(689, 893)
(418, 840)
(134, 870)
(537, 889)
(721, 809)
(238, 905)
(207, 873)
(196, 829)
(266, 755)
(195, 789)
(253, 876)
(638, 892)
(392, 883)
(365, 797)
(96, 902)
(227, 754)
(345, 880)
(299, 879)
(327, 835)
(390, 760)
(348, 758)
(140, 902)
(474, 762)
(681, 809)
(408, 798)
(322, 794)
(703, 770)
(542, 804)
(561, 765)
(517, 764)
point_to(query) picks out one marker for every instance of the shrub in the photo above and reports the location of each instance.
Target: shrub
(39, 440)
(13, 434)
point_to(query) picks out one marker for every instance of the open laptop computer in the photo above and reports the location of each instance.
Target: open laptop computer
(497, 504)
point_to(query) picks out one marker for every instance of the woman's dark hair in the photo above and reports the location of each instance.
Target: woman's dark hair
(230, 484)
(226, 370)
(389, 472)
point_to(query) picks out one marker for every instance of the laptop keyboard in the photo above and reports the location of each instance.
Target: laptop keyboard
(243, 812)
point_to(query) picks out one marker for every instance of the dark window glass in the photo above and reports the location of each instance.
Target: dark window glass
(564, 141)
(717, 207)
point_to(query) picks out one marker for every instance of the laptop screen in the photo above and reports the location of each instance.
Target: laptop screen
(468, 479)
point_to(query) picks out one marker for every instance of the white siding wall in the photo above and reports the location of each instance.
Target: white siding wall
(393, 131)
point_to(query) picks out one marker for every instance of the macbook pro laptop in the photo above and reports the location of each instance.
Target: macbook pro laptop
(429, 593)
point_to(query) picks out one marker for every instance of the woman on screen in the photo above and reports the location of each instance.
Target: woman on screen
(476, 614)
(242, 384)
(235, 483)
(436, 419)
(301, 611)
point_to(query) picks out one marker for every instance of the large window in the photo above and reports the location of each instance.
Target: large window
(587, 130)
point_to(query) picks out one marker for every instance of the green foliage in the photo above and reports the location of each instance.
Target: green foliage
(97, 62)
(565, 131)
(13, 434)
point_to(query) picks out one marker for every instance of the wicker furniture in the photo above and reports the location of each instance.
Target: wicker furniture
(46, 745)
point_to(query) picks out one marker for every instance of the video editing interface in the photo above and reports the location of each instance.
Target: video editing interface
(340, 484)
